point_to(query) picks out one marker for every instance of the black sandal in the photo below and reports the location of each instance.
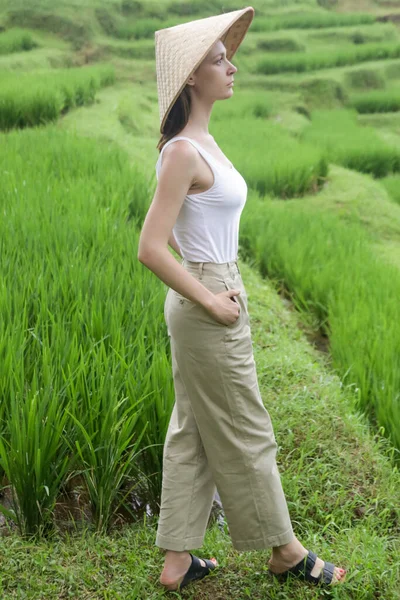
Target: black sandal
(196, 570)
(303, 571)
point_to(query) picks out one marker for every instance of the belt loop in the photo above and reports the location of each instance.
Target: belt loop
(201, 270)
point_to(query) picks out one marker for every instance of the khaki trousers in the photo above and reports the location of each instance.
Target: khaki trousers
(220, 433)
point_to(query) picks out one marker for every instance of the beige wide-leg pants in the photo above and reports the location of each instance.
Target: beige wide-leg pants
(220, 434)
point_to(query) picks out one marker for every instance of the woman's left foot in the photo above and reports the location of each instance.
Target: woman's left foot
(310, 568)
(184, 568)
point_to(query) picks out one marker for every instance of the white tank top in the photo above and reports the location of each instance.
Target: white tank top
(207, 226)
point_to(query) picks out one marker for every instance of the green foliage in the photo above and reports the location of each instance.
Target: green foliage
(143, 49)
(329, 269)
(273, 162)
(364, 79)
(362, 34)
(327, 3)
(198, 8)
(314, 60)
(27, 99)
(322, 92)
(392, 185)
(392, 71)
(105, 438)
(280, 45)
(82, 333)
(248, 103)
(16, 40)
(144, 28)
(59, 24)
(376, 101)
(344, 142)
(312, 20)
(33, 451)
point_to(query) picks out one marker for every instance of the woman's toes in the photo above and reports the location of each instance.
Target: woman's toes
(338, 573)
(203, 564)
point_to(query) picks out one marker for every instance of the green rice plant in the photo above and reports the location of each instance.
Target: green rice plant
(57, 22)
(312, 20)
(196, 7)
(343, 141)
(280, 45)
(104, 437)
(72, 290)
(327, 3)
(270, 159)
(317, 59)
(157, 384)
(139, 9)
(33, 453)
(139, 29)
(248, 103)
(392, 185)
(322, 92)
(376, 101)
(16, 40)
(143, 49)
(330, 269)
(392, 71)
(361, 35)
(362, 79)
(27, 99)
(108, 20)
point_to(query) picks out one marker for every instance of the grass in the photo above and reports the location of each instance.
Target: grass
(342, 493)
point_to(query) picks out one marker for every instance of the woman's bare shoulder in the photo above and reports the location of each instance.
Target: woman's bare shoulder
(180, 152)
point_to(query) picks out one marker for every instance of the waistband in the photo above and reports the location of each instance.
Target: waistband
(230, 268)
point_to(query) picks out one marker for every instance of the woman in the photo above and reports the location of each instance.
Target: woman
(220, 433)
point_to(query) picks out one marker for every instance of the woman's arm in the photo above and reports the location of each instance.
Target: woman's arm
(176, 176)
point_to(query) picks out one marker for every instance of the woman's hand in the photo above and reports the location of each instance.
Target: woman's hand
(226, 308)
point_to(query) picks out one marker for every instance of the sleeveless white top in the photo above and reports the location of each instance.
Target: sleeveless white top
(207, 226)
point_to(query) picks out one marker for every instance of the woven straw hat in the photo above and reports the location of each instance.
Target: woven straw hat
(180, 50)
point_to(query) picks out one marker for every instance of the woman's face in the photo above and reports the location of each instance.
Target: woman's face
(212, 78)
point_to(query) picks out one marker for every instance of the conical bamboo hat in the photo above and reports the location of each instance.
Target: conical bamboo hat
(180, 50)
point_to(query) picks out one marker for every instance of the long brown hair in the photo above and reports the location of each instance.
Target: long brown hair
(177, 117)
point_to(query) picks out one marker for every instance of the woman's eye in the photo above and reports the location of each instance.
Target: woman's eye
(219, 60)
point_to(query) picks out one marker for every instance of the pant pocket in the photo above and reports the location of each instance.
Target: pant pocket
(237, 284)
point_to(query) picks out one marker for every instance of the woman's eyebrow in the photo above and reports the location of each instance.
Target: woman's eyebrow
(219, 54)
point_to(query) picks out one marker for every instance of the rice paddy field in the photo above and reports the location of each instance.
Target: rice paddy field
(85, 368)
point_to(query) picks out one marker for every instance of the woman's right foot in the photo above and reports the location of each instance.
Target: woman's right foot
(289, 555)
